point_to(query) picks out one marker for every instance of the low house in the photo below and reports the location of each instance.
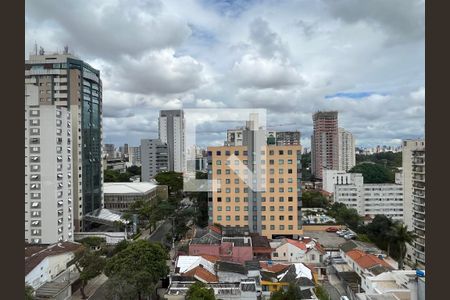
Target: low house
(366, 265)
(398, 284)
(305, 251)
(45, 264)
(230, 272)
(278, 276)
(261, 246)
(210, 242)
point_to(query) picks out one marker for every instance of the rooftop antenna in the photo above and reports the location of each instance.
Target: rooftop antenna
(41, 51)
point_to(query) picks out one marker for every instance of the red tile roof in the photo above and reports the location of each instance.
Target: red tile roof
(211, 258)
(34, 256)
(215, 229)
(320, 248)
(202, 274)
(297, 244)
(365, 260)
(275, 268)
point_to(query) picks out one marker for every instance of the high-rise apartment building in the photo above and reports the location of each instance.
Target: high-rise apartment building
(171, 132)
(413, 156)
(125, 149)
(48, 171)
(66, 81)
(369, 199)
(258, 185)
(154, 158)
(347, 156)
(324, 142)
(134, 156)
(234, 137)
(285, 138)
(110, 150)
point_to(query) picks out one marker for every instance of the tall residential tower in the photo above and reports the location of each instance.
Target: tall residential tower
(171, 132)
(347, 156)
(324, 142)
(65, 81)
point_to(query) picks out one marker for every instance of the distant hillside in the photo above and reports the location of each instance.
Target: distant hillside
(388, 160)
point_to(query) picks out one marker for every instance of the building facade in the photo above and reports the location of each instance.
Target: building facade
(119, 196)
(154, 158)
(347, 156)
(48, 171)
(171, 132)
(324, 142)
(66, 81)
(274, 211)
(134, 156)
(418, 203)
(370, 199)
(285, 138)
(110, 150)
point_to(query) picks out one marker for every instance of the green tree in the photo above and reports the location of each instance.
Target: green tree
(29, 292)
(314, 199)
(378, 231)
(173, 180)
(139, 267)
(400, 237)
(116, 176)
(374, 173)
(200, 291)
(89, 264)
(292, 293)
(321, 293)
(344, 215)
(134, 170)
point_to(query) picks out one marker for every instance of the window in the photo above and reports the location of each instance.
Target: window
(281, 161)
(289, 152)
(219, 218)
(227, 152)
(236, 152)
(290, 227)
(227, 190)
(280, 152)
(218, 153)
(281, 208)
(228, 171)
(280, 171)
(281, 190)
(219, 208)
(237, 208)
(272, 227)
(271, 152)
(227, 181)
(236, 190)
(236, 199)
(272, 208)
(228, 218)
(236, 218)
(281, 227)
(236, 180)
(218, 162)
(281, 199)
(34, 113)
(219, 199)
(280, 180)
(272, 199)
(281, 218)
(34, 131)
(290, 208)
(271, 162)
(228, 208)
(289, 171)
(272, 180)
(263, 208)
(219, 171)
(290, 199)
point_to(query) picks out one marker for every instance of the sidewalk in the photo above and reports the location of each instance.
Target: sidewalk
(91, 287)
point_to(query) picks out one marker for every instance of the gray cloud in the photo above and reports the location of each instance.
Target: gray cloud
(284, 56)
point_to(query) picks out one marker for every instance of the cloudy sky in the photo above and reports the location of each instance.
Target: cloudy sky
(363, 58)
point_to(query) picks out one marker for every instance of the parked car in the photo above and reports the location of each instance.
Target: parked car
(350, 236)
(342, 233)
(332, 229)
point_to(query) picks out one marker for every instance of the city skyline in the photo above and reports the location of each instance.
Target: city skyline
(366, 62)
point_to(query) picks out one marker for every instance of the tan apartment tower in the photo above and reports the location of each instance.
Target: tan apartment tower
(324, 142)
(274, 207)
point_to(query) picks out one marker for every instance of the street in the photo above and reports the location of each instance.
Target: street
(159, 235)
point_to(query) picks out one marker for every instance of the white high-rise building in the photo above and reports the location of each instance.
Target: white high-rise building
(171, 132)
(368, 198)
(347, 157)
(48, 171)
(413, 157)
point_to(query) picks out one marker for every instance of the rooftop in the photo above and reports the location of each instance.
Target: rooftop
(34, 256)
(128, 187)
(202, 274)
